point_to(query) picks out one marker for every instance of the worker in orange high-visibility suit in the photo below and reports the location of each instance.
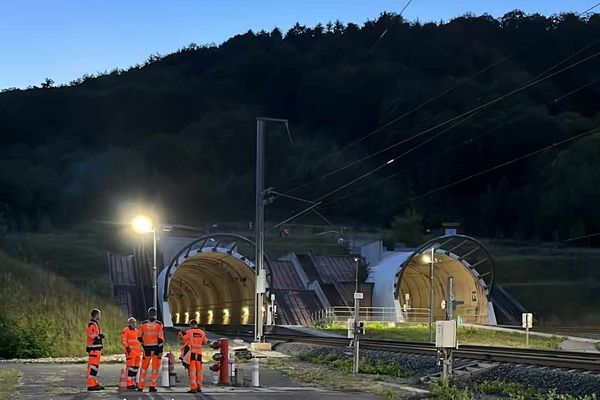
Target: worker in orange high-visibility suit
(133, 351)
(94, 350)
(194, 338)
(151, 336)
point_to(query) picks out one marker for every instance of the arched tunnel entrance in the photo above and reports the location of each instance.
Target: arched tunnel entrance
(213, 281)
(463, 258)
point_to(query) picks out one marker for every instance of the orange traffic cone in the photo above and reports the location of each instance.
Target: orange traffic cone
(123, 381)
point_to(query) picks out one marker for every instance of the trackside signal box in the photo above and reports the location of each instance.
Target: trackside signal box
(445, 334)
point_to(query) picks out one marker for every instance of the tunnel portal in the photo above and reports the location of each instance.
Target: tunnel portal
(464, 259)
(213, 281)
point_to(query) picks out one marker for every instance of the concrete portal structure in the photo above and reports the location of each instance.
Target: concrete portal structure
(212, 280)
(401, 280)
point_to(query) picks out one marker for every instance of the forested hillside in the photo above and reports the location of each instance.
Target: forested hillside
(178, 131)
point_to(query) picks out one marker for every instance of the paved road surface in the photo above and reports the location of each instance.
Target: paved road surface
(67, 381)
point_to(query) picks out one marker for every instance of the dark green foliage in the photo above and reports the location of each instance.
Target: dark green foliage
(178, 132)
(26, 338)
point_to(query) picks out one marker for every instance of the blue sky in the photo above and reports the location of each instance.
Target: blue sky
(64, 39)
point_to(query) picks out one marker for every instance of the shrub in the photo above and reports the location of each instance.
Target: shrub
(444, 390)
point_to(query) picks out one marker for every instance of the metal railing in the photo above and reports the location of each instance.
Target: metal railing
(371, 314)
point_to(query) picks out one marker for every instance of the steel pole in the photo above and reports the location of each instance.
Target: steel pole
(431, 295)
(356, 358)
(356, 280)
(154, 270)
(260, 228)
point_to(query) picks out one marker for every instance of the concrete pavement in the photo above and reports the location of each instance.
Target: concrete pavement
(67, 381)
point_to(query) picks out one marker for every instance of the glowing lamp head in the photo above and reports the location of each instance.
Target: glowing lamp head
(226, 313)
(426, 258)
(142, 224)
(245, 311)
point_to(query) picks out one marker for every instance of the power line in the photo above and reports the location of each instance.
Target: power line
(386, 29)
(502, 165)
(418, 107)
(581, 237)
(537, 79)
(470, 140)
(589, 9)
(446, 151)
(372, 171)
(577, 90)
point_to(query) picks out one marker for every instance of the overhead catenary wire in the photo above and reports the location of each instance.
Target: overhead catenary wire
(581, 237)
(466, 114)
(470, 140)
(437, 155)
(546, 74)
(386, 29)
(423, 104)
(374, 170)
(502, 165)
(589, 9)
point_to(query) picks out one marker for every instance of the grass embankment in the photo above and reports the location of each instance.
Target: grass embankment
(42, 314)
(466, 335)
(558, 285)
(9, 378)
(496, 390)
(325, 373)
(78, 255)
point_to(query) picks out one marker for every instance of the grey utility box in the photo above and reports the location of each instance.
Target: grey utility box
(445, 334)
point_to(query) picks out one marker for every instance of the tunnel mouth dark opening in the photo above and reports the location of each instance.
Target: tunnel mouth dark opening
(213, 279)
(214, 288)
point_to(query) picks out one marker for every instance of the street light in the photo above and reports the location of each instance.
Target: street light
(431, 260)
(143, 224)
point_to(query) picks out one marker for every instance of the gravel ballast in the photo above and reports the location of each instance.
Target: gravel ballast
(541, 378)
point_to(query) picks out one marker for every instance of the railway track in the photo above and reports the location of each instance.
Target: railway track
(545, 358)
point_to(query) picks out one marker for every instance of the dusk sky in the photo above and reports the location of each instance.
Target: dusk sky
(63, 39)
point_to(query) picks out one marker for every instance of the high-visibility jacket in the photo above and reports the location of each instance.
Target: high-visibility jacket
(194, 339)
(129, 338)
(151, 333)
(94, 336)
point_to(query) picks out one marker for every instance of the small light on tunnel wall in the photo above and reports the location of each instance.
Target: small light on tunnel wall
(245, 315)
(226, 316)
(197, 315)
(210, 317)
(177, 317)
(187, 317)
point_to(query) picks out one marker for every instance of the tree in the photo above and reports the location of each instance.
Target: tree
(47, 83)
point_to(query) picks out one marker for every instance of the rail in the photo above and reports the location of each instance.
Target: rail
(545, 358)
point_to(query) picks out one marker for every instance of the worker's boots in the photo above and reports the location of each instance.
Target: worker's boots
(95, 388)
(152, 389)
